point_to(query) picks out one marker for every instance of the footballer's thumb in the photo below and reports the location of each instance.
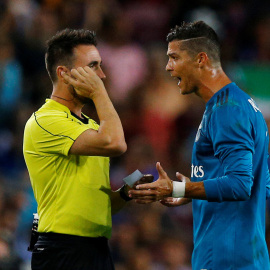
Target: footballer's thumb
(180, 177)
(160, 170)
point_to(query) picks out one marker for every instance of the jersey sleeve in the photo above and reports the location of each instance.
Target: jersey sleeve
(230, 131)
(267, 182)
(56, 134)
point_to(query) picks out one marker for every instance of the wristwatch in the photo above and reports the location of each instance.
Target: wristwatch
(123, 193)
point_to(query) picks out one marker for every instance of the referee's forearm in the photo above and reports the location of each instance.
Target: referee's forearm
(110, 123)
(117, 202)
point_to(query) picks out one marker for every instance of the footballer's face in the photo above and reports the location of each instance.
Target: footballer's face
(182, 67)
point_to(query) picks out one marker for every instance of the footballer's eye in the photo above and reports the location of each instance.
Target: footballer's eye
(173, 57)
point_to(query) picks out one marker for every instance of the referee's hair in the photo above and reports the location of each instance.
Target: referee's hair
(60, 47)
(198, 37)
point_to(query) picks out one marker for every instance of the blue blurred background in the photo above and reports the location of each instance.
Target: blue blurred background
(159, 123)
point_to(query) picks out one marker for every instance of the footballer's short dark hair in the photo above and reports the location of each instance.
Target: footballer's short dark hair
(60, 48)
(198, 37)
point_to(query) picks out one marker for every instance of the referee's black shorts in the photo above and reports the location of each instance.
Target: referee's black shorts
(67, 252)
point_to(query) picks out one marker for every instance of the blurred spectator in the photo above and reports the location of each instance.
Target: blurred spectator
(209, 16)
(7, 21)
(140, 155)
(25, 219)
(142, 259)
(11, 201)
(8, 259)
(161, 105)
(126, 61)
(150, 19)
(263, 39)
(23, 12)
(96, 11)
(256, 41)
(10, 82)
(176, 254)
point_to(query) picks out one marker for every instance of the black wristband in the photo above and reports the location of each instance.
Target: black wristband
(123, 194)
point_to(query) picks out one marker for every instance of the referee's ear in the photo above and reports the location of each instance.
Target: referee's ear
(59, 71)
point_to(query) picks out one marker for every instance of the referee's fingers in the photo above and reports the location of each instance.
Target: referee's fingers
(68, 78)
(82, 71)
(77, 74)
(147, 178)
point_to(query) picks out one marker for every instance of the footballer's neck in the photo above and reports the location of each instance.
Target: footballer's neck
(212, 84)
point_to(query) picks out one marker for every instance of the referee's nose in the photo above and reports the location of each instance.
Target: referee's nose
(101, 74)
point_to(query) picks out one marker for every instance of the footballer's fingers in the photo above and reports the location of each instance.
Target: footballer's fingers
(148, 195)
(171, 202)
(182, 178)
(144, 192)
(147, 186)
(144, 201)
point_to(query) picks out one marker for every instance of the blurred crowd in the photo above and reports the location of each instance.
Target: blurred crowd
(159, 123)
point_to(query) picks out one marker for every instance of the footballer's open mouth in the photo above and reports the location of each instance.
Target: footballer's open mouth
(179, 80)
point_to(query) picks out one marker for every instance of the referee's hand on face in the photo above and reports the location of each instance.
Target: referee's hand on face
(84, 81)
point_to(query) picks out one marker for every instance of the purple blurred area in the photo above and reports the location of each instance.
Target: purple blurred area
(159, 123)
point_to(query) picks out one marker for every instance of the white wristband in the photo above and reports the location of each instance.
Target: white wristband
(178, 189)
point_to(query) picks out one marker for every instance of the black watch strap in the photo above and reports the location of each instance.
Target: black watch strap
(123, 193)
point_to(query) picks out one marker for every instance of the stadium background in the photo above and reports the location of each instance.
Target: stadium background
(160, 125)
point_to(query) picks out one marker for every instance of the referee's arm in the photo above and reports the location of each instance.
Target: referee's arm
(109, 139)
(117, 201)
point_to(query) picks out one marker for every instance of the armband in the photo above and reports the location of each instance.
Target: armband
(179, 189)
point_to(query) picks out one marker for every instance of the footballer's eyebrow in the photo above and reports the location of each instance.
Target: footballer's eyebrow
(172, 54)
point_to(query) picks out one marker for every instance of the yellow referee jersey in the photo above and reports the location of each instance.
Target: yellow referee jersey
(72, 192)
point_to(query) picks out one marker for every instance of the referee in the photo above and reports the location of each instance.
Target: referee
(67, 156)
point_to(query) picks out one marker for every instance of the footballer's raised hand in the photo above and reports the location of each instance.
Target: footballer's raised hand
(172, 202)
(85, 81)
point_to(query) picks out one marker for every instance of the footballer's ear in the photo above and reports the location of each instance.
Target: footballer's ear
(202, 58)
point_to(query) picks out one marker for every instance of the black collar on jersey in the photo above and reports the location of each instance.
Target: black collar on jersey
(83, 119)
